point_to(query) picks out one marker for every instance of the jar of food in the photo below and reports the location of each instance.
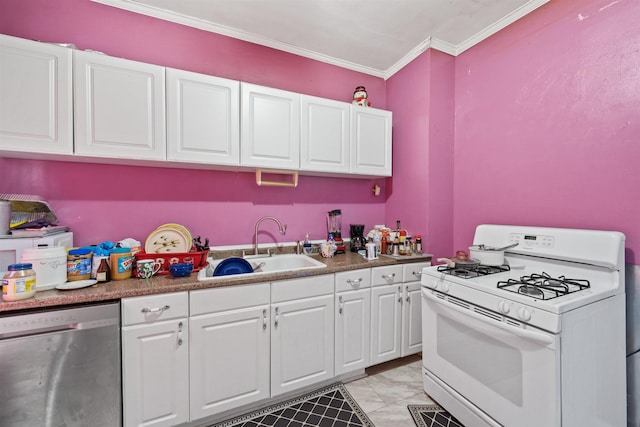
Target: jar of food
(121, 263)
(19, 282)
(79, 264)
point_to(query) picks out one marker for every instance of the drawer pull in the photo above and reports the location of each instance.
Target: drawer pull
(155, 309)
(355, 282)
(389, 276)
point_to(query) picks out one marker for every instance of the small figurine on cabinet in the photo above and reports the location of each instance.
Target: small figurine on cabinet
(360, 97)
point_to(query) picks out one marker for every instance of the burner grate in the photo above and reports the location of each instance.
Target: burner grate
(543, 286)
(468, 273)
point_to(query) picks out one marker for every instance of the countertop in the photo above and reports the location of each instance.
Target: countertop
(119, 289)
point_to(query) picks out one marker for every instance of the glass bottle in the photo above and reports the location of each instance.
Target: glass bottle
(103, 273)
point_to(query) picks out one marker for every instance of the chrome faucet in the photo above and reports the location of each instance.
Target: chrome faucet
(282, 228)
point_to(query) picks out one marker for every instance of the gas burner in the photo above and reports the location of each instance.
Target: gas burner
(543, 286)
(468, 273)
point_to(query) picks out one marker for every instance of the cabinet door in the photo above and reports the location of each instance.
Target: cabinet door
(203, 118)
(270, 128)
(229, 360)
(370, 141)
(411, 318)
(324, 133)
(353, 315)
(155, 372)
(386, 318)
(36, 109)
(301, 343)
(119, 105)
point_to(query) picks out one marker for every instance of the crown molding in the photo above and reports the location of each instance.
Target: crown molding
(441, 45)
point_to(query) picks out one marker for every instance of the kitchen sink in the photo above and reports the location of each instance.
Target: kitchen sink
(266, 265)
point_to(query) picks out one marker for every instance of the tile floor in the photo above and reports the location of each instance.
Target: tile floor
(387, 390)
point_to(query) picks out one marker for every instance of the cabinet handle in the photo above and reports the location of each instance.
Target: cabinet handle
(418, 274)
(275, 323)
(264, 319)
(155, 309)
(355, 282)
(180, 333)
(408, 296)
(389, 276)
(341, 304)
(400, 292)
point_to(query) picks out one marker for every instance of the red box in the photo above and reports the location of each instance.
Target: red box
(199, 259)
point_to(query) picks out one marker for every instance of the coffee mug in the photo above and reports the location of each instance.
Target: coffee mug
(147, 268)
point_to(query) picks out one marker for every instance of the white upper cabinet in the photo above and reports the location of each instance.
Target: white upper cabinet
(370, 141)
(270, 128)
(120, 108)
(203, 118)
(324, 128)
(36, 109)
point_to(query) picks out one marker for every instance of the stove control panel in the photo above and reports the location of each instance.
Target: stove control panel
(532, 240)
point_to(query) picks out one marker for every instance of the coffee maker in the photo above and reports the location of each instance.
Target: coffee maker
(356, 232)
(334, 227)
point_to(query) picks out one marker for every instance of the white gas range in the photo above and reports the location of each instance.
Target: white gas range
(539, 341)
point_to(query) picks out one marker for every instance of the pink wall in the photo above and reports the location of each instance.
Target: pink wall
(103, 202)
(421, 97)
(547, 116)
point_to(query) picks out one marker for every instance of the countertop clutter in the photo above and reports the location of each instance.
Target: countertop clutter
(115, 290)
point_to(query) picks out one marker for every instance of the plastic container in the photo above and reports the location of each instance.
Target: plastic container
(79, 264)
(50, 265)
(121, 263)
(19, 282)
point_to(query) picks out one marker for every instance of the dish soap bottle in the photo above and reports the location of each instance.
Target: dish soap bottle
(306, 246)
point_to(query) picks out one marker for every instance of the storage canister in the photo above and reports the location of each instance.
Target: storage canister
(121, 263)
(50, 265)
(79, 264)
(19, 282)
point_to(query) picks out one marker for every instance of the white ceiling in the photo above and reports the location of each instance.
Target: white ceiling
(376, 37)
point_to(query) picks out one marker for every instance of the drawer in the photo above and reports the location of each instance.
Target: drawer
(353, 280)
(229, 298)
(413, 272)
(154, 308)
(386, 275)
(287, 290)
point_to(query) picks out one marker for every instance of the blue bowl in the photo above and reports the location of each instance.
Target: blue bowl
(180, 270)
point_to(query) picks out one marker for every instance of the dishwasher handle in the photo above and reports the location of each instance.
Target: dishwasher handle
(55, 321)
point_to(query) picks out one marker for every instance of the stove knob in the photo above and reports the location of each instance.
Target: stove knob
(445, 287)
(524, 314)
(504, 307)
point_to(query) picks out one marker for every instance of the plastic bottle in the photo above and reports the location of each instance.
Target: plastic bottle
(19, 282)
(306, 246)
(79, 264)
(121, 263)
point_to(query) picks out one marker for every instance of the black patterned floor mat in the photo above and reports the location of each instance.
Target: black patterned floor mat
(432, 416)
(330, 406)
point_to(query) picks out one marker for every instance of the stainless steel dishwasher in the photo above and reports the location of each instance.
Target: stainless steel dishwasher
(61, 367)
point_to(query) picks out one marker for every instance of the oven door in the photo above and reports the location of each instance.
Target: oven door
(488, 366)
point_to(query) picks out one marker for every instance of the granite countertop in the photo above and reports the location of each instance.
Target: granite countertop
(116, 290)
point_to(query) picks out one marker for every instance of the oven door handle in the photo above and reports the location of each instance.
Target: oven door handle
(538, 337)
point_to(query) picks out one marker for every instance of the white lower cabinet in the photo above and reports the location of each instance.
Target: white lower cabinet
(412, 308)
(302, 332)
(353, 316)
(155, 361)
(230, 340)
(386, 313)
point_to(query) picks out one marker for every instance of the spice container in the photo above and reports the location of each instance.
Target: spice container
(121, 263)
(19, 282)
(79, 264)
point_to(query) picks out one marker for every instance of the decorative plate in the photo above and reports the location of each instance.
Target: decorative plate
(233, 266)
(180, 228)
(77, 284)
(167, 240)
